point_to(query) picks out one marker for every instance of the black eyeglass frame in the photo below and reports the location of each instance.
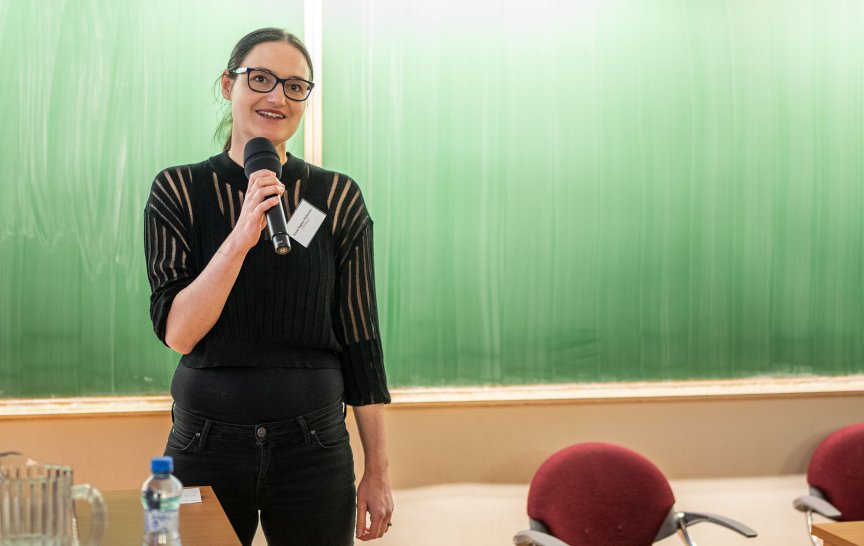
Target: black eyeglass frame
(247, 70)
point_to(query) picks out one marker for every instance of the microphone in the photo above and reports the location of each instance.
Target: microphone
(258, 154)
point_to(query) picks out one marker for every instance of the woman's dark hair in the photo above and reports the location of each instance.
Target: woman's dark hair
(241, 50)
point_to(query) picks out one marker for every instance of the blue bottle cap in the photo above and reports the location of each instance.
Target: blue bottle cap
(162, 465)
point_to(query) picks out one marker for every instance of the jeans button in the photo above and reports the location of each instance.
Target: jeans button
(261, 432)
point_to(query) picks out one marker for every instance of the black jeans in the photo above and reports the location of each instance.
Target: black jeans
(299, 473)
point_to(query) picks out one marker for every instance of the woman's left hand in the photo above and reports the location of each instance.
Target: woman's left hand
(374, 497)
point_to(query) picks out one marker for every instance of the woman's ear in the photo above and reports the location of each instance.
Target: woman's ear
(226, 85)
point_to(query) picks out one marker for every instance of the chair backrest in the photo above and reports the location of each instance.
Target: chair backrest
(837, 470)
(598, 494)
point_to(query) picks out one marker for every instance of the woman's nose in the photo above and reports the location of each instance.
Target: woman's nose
(277, 95)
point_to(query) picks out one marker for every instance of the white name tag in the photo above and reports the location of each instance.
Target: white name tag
(304, 223)
(190, 495)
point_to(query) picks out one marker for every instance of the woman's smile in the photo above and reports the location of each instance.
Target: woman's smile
(271, 114)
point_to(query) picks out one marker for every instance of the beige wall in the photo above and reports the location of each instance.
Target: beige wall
(496, 442)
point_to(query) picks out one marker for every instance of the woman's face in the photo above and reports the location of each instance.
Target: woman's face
(269, 115)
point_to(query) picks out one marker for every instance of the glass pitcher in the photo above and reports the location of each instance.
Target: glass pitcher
(36, 504)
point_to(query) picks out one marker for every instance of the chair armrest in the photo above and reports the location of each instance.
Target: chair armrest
(811, 503)
(692, 518)
(536, 538)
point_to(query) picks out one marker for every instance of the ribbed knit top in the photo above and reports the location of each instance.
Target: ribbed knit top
(282, 311)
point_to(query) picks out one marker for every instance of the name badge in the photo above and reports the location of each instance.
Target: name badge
(304, 223)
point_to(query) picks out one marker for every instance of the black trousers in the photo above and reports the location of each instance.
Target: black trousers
(299, 473)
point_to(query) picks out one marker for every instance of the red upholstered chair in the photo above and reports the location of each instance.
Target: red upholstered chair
(836, 478)
(598, 494)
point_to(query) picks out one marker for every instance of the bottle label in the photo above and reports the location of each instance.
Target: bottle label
(157, 520)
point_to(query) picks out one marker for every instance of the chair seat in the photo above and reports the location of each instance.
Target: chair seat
(598, 494)
(837, 471)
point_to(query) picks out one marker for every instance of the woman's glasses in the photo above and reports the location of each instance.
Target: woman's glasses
(262, 81)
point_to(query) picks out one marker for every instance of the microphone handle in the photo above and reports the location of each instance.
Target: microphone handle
(277, 228)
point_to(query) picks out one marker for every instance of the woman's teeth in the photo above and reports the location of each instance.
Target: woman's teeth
(271, 115)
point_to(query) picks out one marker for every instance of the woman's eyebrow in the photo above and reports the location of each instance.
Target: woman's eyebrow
(264, 69)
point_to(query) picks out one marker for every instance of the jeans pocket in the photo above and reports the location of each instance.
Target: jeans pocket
(179, 440)
(331, 436)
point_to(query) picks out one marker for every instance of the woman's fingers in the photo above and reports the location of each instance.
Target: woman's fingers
(379, 520)
(262, 184)
(361, 518)
(267, 204)
(373, 499)
(261, 177)
(266, 182)
(378, 525)
(263, 192)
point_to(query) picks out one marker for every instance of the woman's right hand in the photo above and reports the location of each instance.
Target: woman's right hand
(262, 193)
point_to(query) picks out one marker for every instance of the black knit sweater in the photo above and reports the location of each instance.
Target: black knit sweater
(282, 310)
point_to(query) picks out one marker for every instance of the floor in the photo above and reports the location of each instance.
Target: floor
(489, 515)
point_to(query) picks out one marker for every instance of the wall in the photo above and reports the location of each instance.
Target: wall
(498, 441)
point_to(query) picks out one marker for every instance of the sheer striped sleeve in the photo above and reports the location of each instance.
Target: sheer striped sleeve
(356, 317)
(167, 223)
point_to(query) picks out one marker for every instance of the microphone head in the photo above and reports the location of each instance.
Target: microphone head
(260, 153)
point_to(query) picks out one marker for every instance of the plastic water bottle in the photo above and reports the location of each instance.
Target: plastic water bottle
(160, 496)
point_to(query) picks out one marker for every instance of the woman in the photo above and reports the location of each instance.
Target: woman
(272, 345)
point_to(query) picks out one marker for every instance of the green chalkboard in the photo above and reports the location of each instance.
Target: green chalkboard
(563, 191)
(572, 191)
(97, 96)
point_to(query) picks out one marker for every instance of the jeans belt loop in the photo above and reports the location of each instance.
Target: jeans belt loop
(202, 441)
(307, 439)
